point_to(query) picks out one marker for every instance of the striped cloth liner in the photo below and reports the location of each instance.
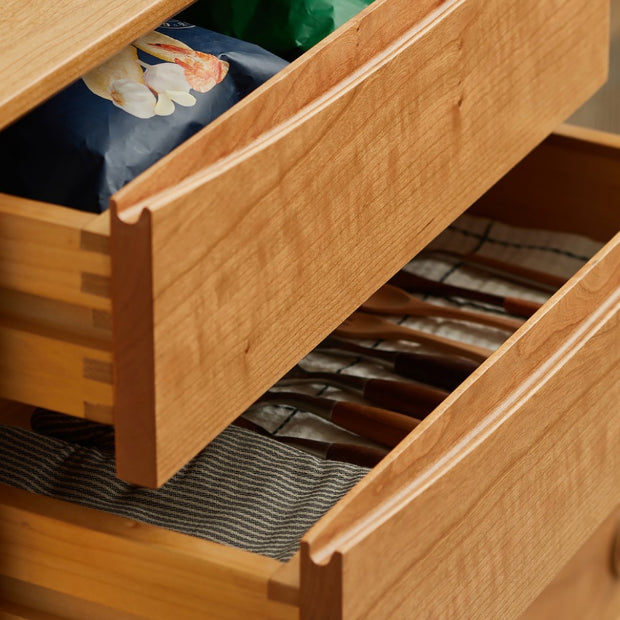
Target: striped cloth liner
(242, 490)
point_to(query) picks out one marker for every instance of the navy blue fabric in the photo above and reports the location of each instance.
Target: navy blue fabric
(77, 149)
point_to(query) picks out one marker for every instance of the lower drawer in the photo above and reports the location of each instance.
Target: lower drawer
(472, 515)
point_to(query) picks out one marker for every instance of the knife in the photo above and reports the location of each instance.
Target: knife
(442, 371)
(382, 426)
(413, 399)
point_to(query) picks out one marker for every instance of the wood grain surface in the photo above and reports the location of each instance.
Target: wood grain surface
(491, 495)
(129, 567)
(257, 257)
(588, 587)
(549, 188)
(55, 323)
(45, 46)
(309, 77)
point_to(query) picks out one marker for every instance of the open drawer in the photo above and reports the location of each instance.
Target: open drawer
(220, 267)
(473, 514)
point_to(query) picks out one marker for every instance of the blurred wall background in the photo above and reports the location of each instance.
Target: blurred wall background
(602, 111)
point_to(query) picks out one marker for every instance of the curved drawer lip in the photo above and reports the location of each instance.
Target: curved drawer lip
(482, 455)
(464, 435)
(327, 66)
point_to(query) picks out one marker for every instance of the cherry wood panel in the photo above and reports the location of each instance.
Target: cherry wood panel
(309, 77)
(128, 567)
(258, 256)
(588, 587)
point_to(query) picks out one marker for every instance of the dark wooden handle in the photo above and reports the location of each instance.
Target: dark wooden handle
(408, 398)
(365, 456)
(385, 427)
(442, 371)
(416, 284)
(518, 273)
(521, 307)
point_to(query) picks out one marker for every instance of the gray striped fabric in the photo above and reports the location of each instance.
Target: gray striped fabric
(242, 490)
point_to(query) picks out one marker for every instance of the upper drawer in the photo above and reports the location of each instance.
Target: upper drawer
(236, 254)
(45, 46)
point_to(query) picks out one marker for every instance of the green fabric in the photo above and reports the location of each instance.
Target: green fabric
(285, 27)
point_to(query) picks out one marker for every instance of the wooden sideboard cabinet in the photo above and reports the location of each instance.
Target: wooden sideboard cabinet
(335, 172)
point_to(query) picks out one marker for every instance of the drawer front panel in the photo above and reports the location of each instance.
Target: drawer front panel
(478, 510)
(588, 588)
(256, 258)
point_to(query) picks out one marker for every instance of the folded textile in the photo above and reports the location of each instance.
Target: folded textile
(242, 490)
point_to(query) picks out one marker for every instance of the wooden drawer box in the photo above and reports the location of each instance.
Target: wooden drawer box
(472, 515)
(219, 268)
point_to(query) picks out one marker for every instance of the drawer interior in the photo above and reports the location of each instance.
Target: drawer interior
(599, 163)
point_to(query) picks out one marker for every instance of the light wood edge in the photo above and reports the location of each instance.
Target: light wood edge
(283, 584)
(333, 59)
(55, 252)
(132, 343)
(78, 61)
(587, 587)
(100, 552)
(439, 445)
(587, 136)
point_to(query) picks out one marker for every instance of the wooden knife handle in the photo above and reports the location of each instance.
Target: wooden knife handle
(385, 427)
(521, 307)
(511, 271)
(365, 456)
(408, 398)
(442, 371)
